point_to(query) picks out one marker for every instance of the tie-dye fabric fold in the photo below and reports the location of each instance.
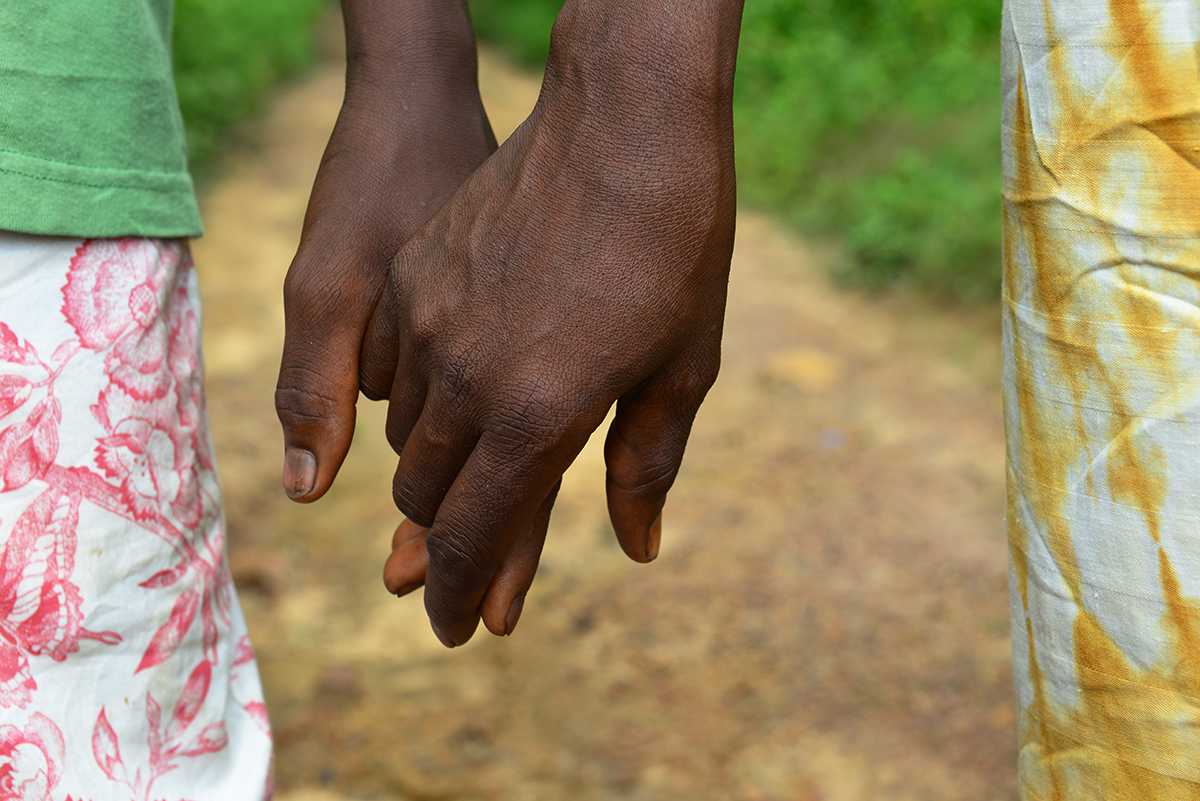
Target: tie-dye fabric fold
(1102, 363)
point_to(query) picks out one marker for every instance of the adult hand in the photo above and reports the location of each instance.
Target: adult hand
(585, 264)
(412, 127)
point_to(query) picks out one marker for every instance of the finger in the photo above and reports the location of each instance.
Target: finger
(496, 496)
(405, 402)
(644, 451)
(406, 532)
(505, 599)
(318, 381)
(434, 452)
(380, 349)
(404, 570)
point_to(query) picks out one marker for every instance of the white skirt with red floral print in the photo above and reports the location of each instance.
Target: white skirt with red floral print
(125, 669)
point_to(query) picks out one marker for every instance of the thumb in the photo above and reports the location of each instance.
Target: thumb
(644, 451)
(318, 378)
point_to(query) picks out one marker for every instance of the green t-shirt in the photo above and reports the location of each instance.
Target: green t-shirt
(91, 140)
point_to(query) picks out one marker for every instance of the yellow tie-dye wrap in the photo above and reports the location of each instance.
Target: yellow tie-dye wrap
(1102, 369)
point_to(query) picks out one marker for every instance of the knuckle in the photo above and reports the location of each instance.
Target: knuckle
(415, 263)
(708, 374)
(702, 374)
(440, 430)
(537, 415)
(318, 299)
(426, 321)
(297, 403)
(654, 471)
(299, 288)
(457, 380)
(405, 263)
(457, 558)
(520, 438)
(411, 500)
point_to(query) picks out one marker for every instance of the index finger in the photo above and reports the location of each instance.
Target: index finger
(492, 499)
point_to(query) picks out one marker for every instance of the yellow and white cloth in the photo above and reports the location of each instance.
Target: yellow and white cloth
(1102, 377)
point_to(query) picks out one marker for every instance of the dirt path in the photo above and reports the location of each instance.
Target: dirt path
(827, 621)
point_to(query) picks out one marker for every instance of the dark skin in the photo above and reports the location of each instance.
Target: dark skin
(502, 301)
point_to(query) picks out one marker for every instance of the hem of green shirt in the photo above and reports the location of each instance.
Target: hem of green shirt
(58, 199)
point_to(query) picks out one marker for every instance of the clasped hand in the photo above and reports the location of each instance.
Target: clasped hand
(501, 301)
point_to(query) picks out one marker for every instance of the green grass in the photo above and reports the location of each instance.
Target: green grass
(873, 122)
(228, 54)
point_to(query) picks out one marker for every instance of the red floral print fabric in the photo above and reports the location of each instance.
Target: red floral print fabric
(125, 668)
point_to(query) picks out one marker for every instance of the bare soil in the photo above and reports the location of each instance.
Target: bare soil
(827, 621)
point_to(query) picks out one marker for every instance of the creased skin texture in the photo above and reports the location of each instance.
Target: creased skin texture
(1102, 382)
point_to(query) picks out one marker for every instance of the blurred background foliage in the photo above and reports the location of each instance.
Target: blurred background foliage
(228, 54)
(871, 123)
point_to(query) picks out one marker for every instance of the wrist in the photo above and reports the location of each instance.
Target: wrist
(675, 56)
(409, 48)
(641, 92)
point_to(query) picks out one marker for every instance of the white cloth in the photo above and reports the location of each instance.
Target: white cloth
(125, 670)
(1102, 363)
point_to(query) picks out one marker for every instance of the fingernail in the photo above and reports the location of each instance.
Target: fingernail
(654, 538)
(299, 472)
(514, 614)
(446, 640)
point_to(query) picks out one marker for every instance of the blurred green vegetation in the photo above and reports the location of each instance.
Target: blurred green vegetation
(228, 53)
(872, 122)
